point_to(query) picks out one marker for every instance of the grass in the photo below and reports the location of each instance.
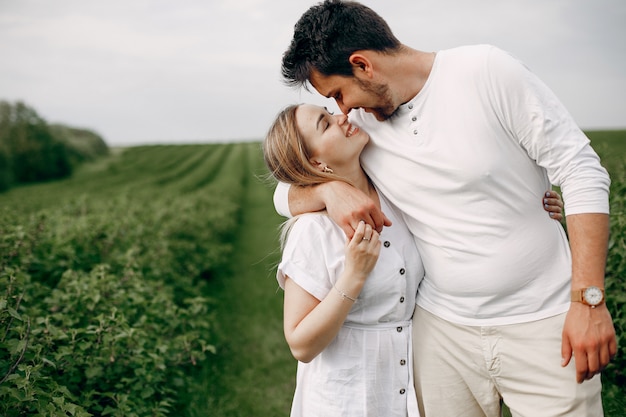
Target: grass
(611, 146)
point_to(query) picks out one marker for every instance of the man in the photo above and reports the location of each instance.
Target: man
(505, 302)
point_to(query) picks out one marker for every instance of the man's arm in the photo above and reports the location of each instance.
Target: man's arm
(588, 332)
(305, 199)
(345, 204)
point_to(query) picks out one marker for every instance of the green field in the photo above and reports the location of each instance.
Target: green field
(144, 285)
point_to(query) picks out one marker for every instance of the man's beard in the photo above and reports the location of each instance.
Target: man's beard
(384, 111)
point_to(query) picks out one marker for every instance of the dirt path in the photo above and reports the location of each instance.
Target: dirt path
(255, 372)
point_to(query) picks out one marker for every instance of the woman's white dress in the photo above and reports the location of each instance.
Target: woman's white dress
(367, 369)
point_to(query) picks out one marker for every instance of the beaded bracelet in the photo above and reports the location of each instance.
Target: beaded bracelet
(344, 295)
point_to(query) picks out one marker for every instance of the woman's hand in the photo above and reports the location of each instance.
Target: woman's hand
(553, 204)
(362, 252)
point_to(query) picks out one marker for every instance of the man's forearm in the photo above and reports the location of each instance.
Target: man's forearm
(588, 235)
(588, 333)
(346, 205)
(305, 199)
(291, 200)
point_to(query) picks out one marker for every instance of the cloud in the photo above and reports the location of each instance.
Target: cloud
(161, 71)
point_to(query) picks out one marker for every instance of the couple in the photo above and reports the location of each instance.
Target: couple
(461, 144)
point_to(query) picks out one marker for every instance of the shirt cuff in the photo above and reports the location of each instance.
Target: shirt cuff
(281, 199)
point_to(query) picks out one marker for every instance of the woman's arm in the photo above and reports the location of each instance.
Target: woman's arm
(310, 324)
(553, 204)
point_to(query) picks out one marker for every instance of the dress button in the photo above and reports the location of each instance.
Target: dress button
(402, 362)
(402, 299)
(399, 329)
(402, 391)
(387, 243)
(402, 271)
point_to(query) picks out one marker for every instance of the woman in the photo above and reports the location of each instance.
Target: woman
(347, 305)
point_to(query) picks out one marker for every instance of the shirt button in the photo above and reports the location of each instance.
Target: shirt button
(415, 132)
(387, 243)
(402, 362)
(402, 391)
(402, 271)
(411, 106)
(402, 299)
(399, 329)
(414, 118)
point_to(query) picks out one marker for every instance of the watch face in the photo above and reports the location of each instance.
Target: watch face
(593, 296)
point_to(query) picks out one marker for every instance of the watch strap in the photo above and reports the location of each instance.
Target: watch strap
(577, 296)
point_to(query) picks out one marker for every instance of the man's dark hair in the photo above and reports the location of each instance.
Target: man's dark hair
(327, 34)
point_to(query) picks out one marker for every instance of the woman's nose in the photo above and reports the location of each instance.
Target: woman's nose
(341, 118)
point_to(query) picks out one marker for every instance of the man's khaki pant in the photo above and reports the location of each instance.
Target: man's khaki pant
(467, 371)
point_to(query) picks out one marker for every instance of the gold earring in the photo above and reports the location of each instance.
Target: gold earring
(328, 170)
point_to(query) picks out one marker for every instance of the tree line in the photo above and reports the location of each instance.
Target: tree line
(31, 150)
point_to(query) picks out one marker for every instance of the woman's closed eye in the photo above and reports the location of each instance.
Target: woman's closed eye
(327, 118)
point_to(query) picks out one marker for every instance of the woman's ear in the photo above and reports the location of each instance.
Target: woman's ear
(319, 165)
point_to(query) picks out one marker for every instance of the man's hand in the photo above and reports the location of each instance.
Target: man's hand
(347, 206)
(589, 334)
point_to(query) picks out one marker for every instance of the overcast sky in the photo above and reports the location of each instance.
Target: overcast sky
(162, 71)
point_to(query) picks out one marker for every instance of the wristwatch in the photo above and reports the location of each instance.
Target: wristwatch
(591, 296)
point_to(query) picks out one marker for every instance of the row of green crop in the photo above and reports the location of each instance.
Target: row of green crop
(611, 146)
(103, 306)
(615, 375)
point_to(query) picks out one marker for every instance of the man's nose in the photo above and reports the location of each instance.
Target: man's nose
(344, 109)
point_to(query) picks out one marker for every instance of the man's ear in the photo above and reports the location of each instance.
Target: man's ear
(361, 64)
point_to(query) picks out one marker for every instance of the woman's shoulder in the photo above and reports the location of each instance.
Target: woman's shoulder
(311, 222)
(311, 228)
